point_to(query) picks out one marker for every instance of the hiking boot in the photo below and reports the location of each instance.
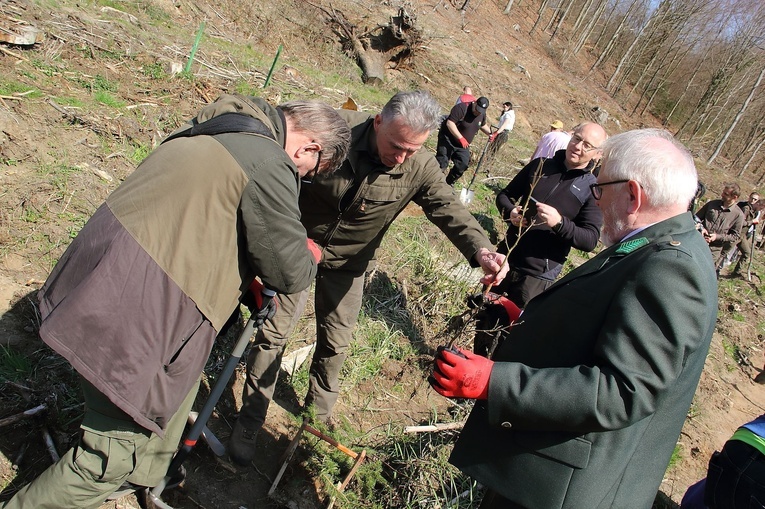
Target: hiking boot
(760, 378)
(241, 445)
(128, 487)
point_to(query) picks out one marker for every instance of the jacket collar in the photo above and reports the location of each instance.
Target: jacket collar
(679, 224)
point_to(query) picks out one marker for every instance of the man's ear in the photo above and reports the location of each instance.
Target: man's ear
(310, 149)
(637, 197)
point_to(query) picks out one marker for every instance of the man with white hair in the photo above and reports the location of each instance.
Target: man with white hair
(583, 403)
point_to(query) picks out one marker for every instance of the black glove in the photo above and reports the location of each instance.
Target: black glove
(261, 302)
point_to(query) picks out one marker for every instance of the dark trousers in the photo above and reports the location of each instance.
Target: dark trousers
(446, 151)
(736, 478)
(521, 288)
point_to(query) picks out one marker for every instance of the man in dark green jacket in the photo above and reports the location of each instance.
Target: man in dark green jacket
(581, 406)
(347, 214)
(136, 301)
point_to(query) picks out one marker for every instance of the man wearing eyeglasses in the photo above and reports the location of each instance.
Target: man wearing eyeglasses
(549, 206)
(721, 223)
(583, 403)
(136, 301)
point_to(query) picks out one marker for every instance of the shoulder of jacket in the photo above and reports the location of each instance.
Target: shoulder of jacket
(354, 117)
(674, 243)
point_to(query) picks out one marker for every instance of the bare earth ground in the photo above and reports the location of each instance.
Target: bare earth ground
(61, 153)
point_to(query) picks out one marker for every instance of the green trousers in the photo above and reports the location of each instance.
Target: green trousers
(112, 449)
(337, 298)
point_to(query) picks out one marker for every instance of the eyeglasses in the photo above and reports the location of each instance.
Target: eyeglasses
(597, 191)
(586, 145)
(308, 177)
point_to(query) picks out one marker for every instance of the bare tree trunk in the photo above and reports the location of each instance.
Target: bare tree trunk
(542, 8)
(560, 20)
(682, 97)
(751, 158)
(587, 32)
(615, 36)
(673, 64)
(508, 7)
(631, 58)
(737, 118)
(752, 147)
(713, 114)
(583, 13)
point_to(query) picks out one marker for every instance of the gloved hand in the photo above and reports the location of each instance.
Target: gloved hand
(464, 142)
(479, 299)
(315, 250)
(262, 304)
(461, 374)
(493, 136)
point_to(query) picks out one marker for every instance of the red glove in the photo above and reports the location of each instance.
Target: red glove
(464, 142)
(493, 136)
(479, 299)
(315, 250)
(461, 374)
(512, 310)
(262, 312)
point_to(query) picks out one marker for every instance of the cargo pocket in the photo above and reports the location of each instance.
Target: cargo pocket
(105, 458)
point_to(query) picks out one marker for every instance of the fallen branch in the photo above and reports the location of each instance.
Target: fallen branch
(13, 54)
(444, 426)
(50, 445)
(23, 415)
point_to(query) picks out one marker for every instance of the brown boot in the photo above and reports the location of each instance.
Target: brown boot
(760, 378)
(241, 445)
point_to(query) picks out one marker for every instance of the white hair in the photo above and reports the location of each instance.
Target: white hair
(662, 165)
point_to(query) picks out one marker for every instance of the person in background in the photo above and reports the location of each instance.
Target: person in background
(752, 210)
(582, 405)
(736, 475)
(136, 301)
(505, 125)
(556, 139)
(466, 96)
(456, 134)
(721, 223)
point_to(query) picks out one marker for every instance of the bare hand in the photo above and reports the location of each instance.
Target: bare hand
(517, 219)
(548, 214)
(493, 266)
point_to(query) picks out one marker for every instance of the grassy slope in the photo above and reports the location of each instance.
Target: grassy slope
(87, 105)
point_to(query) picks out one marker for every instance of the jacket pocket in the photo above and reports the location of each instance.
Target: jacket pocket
(574, 452)
(178, 362)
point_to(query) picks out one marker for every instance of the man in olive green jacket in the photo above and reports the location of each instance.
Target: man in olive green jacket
(347, 214)
(136, 301)
(582, 405)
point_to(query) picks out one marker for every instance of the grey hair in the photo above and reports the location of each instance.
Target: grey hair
(325, 126)
(654, 158)
(418, 109)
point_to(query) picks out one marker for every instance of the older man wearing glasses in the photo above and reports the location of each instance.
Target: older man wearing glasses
(549, 210)
(583, 404)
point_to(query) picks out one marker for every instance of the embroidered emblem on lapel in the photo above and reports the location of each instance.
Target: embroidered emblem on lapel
(631, 245)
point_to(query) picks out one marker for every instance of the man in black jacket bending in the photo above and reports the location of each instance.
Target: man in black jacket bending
(549, 206)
